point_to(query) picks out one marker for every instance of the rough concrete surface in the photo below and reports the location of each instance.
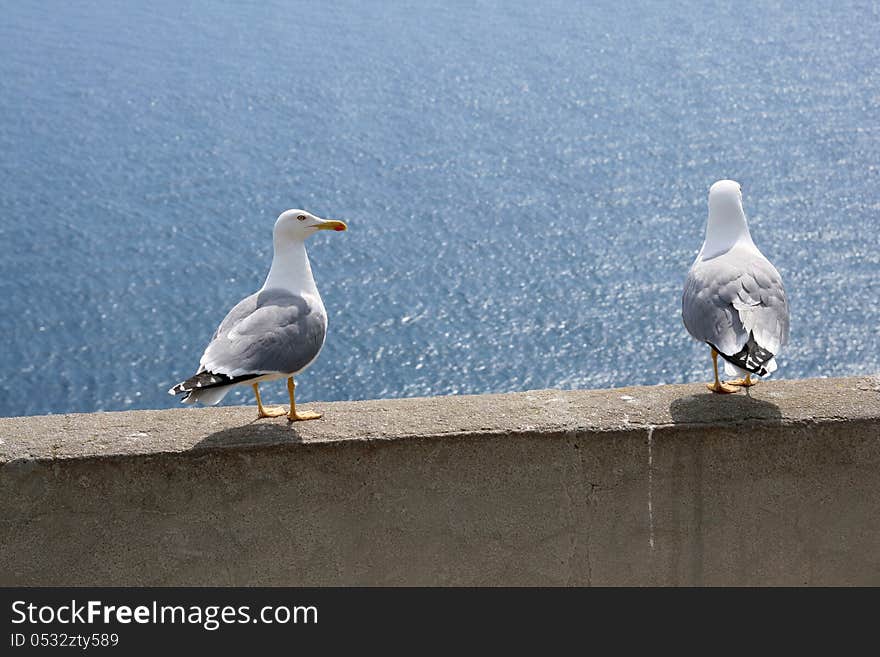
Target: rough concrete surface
(638, 486)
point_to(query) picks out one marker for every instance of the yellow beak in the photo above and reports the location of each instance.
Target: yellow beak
(332, 224)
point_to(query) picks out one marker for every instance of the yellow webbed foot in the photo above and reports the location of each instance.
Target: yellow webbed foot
(262, 411)
(745, 383)
(300, 416)
(272, 411)
(721, 388)
(294, 415)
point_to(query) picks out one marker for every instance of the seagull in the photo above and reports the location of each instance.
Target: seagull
(275, 333)
(733, 296)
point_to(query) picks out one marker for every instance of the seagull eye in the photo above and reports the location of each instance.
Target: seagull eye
(302, 217)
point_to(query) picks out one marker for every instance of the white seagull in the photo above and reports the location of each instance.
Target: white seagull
(275, 333)
(733, 296)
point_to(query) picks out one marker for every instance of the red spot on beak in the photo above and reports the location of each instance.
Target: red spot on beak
(339, 228)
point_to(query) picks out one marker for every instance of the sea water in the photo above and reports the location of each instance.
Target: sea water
(525, 186)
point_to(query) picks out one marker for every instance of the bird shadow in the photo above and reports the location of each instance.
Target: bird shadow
(711, 407)
(253, 434)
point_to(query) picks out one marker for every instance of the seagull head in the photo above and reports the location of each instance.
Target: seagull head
(297, 225)
(725, 196)
(727, 224)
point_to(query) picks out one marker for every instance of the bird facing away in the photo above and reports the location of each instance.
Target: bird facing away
(275, 333)
(733, 297)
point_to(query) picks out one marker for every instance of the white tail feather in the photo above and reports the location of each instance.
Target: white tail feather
(207, 396)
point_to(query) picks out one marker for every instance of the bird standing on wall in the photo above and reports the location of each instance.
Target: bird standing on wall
(733, 296)
(274, 333)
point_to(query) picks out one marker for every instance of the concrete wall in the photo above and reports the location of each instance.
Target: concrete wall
(656, 485)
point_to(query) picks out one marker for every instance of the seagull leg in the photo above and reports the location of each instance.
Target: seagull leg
(293, 416)
(262, 410)
(745, 383)
(718, 386)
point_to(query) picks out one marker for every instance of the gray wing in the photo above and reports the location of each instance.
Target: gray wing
(732, 297)
(273, 331)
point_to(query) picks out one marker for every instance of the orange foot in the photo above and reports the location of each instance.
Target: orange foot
(721, 388)
(271, 411)
(300, 416)
(744, 383)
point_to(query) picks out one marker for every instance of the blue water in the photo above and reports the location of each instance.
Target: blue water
(525, 187)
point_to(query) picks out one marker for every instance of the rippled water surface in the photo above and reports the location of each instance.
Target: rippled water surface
(525, 185)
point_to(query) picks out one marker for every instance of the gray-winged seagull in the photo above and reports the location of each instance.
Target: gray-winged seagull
(275, 333)
(733, 297)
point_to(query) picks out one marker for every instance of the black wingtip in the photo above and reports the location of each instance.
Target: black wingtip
(204, 380)
(750, 358)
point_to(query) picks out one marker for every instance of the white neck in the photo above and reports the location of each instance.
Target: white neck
(290, 269)
(725, 228)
